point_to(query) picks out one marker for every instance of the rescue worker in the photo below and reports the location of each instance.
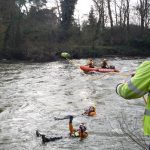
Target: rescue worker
(91, 111)
(104, 64)
(90, 63)
(137, 87)
(80, 132)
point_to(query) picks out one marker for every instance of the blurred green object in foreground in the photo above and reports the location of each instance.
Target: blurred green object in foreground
(65, 55)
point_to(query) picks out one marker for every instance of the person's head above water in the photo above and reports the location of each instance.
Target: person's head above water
(92, 108)
(82, 127)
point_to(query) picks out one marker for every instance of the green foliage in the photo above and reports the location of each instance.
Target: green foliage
(67, 9)
(92, 19)
(37, 34)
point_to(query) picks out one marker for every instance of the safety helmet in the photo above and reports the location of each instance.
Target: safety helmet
(92, 108)
(82, 127)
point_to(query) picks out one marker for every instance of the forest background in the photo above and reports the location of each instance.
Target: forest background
(32, 30)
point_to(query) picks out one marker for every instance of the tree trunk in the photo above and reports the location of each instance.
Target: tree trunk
(58, 9)
(128, 14)
(116, 15)
(110, 14)
(120, 13)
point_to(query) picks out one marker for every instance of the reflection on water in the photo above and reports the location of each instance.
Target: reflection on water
(31, 95)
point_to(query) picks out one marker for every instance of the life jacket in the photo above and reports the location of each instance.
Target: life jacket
(75, 133)
(91, 64)
(104, 64)
(137, 87)
(90, 111)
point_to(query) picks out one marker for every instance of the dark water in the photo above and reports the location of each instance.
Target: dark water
(32, 94)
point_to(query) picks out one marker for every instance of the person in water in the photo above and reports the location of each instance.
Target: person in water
(91, 111)
(90, 63)
(80, 132)
(104, 64)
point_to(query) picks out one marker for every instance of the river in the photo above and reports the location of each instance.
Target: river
(32, 94)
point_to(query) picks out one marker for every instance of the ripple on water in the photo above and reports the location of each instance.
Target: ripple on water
(32, 94)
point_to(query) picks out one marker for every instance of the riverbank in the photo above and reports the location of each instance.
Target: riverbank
(78, 52)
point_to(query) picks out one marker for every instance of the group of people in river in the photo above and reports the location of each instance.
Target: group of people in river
(103, 64)
(81, 132)
(137, 87)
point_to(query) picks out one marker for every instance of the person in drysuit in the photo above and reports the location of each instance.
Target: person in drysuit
(80, 132)
(137, 87)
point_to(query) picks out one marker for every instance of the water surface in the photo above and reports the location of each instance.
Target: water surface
(32, 94)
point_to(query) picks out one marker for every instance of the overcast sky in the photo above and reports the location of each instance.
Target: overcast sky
(83, 7)
(81, 10)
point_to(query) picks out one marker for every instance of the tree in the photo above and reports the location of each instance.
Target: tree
(21, 4)
(99, 5)
(67, 11)
(38, 3)
(110, 14)
(58, 10)
(92, 27)
(116, 14)
(11, 20)
(128, 14)
(92, 19)
(143, 8)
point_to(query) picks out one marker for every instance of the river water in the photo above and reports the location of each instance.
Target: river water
(32, 94)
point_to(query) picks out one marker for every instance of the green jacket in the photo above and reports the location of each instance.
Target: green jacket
(138, 86)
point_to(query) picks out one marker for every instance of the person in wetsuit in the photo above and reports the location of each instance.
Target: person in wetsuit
(104, 64)
(90, 63)
(91, 111)
(80, 132)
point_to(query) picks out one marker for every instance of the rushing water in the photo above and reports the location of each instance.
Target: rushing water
(32, 94)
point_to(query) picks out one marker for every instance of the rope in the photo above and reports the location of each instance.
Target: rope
(144, 100)
(110, 73)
